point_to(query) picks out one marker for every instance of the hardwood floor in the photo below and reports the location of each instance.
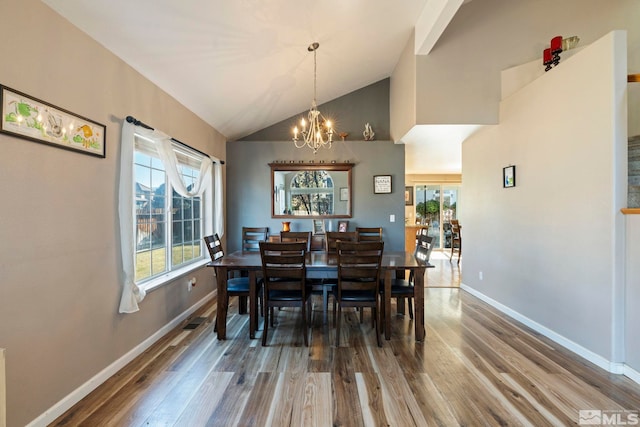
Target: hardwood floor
(476, 367)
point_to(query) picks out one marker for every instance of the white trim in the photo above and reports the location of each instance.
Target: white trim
(170, 276)
(631, 373)
(609, 366)
(81, 392)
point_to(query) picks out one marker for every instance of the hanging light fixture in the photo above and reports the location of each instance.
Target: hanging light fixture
(316, 132)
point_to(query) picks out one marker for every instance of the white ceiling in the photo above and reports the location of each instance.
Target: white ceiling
(243, 65)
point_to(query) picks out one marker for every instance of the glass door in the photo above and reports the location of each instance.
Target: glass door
(436, 206)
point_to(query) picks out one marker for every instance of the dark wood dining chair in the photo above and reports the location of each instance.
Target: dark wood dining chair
(402, 288)
(284, 275)
(369, 234)
(296, 236)
(236, 286)
(252, 236)
(332, 237)
(456, 239)
(358, 281)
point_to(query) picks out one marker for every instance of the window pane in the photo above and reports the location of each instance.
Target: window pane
(164, 219)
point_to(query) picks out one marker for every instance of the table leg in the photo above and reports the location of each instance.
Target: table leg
(387, 303)
(221, 312)
(418, 297)
(253, 304)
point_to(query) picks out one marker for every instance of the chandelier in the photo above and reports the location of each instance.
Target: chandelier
(316, 132)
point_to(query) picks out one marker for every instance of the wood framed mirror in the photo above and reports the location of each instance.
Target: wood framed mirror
(311, 190)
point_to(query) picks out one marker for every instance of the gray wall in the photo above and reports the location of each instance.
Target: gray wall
(349, 114)
(459, 81)
(59, 251)
(249, 186)
(551, 249)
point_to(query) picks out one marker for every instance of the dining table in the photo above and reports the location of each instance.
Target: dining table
(319, 264)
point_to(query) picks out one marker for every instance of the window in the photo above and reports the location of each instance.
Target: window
(311, 193)
(168, 226)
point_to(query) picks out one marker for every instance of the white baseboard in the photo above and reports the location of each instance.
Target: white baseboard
(631, 373)
(78, 394)
(607, 365)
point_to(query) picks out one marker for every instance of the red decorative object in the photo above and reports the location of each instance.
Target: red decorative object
(556, 44)
(556, 48)
(547, 59)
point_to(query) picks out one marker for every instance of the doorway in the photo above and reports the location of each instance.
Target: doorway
(436, 205)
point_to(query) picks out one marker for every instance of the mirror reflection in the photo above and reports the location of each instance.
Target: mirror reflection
(308, 190)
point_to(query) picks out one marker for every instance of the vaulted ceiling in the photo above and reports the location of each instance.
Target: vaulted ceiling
(243, 65)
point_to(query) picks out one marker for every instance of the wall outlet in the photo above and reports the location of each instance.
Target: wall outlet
(392, 218)
(480, 276)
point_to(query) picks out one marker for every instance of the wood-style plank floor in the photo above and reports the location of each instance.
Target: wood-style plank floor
(476, 367)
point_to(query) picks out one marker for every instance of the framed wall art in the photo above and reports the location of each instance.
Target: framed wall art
(408, 196)
(382, 184)
(509, 176)
(344, 194)
(30, 118)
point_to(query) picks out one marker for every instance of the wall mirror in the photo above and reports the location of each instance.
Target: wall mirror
(311, 190)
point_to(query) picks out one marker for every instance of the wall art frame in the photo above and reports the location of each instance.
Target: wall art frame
(27, 117)
(509, 176)
(382, 184)
(408, 196)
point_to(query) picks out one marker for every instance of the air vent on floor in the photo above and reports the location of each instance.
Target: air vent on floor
(195, 322)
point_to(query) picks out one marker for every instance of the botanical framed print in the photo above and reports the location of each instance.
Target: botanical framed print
(382, 184)
(509, 176)
(30, 118)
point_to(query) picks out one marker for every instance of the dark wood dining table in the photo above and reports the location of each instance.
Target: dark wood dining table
(319, 265)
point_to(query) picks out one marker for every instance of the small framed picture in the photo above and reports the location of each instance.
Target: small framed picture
(382, 184)
(408, 196)
(509, 176)
(344, 194)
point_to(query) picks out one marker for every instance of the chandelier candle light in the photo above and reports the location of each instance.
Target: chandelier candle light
(319, 128)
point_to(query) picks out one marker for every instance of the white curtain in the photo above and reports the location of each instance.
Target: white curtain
(133, 294)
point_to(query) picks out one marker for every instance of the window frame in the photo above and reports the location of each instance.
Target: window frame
(171, 272)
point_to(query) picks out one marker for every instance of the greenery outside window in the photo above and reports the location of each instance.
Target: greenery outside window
(169, 230)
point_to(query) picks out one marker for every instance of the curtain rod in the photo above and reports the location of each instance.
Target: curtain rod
(137, 122)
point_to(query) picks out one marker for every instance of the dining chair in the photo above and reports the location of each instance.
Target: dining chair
(236, 286)
(297, 236)
(332, 237)
(368, 234)
(284, 275)
(252, 236)
(456, 239)
(358, 281)
(402, 288)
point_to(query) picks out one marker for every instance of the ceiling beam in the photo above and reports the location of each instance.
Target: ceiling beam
(434, 18)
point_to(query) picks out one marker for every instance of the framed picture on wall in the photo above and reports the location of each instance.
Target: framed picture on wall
(408, 196)
(509, 176)
(344, 194)
(382, 184)
(30, 118)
